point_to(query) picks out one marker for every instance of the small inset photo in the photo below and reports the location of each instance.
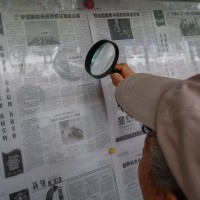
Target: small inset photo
(66, 69)
(41, 33)
(12, 162)
(1, 26)
(120, 29)
(71, 130)
(159, 17)
(189, 27)
(22, 194)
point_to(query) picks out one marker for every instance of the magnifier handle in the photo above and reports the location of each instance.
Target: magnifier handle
(115, 70)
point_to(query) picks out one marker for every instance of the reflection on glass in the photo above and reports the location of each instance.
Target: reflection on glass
(102, 59)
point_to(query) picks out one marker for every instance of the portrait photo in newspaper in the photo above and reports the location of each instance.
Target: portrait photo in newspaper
(120, 29)
(159, 17)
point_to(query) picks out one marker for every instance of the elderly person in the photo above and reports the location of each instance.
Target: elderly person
(170, 165)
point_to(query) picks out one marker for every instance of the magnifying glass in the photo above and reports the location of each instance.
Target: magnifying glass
(101, 59)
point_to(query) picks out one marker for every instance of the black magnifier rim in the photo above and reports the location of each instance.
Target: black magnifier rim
(91, 54)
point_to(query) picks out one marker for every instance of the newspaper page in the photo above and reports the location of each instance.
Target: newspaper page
(160, 42)
(51, 110)
(126, 29)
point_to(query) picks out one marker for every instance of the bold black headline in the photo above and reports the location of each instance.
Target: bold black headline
(50, 16)
(124, 14)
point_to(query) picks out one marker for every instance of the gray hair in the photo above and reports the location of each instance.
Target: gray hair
(160, 174)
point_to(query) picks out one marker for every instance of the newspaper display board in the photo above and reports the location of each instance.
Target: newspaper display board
(56, 122)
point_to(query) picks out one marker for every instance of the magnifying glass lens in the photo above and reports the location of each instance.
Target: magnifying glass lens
(102, 59)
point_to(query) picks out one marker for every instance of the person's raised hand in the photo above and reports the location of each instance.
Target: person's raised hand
(124, 71)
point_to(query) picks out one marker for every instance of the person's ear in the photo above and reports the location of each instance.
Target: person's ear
(164, 194)
(170, 196)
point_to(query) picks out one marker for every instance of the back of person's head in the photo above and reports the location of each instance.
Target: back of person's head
(160, 174)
